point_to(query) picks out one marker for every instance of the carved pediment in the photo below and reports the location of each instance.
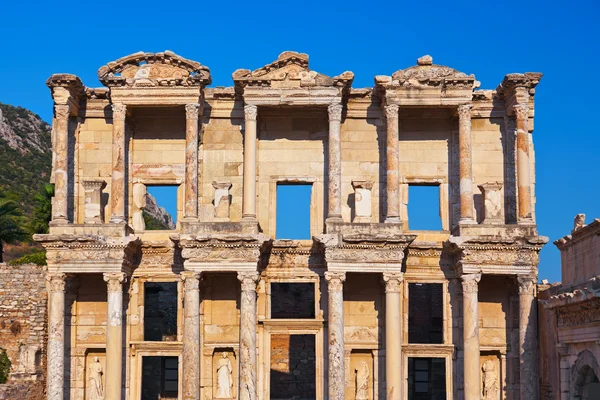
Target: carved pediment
(154, 69)
(288, 71)
(221, 248)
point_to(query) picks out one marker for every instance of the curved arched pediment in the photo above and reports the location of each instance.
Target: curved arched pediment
(426, 72)
(154, 69)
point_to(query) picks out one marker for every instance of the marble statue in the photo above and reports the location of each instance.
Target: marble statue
(362, 381)
(224, 379)
(490, 381)
(95, 379)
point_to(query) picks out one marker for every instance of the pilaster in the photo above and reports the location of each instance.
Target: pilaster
(249, 200)
(56, 336)
(521, 112)
(465, 164)
(393, 334)
(191, 161)
(247, 378)
(335, 288)
(529, 384)
(334, 211)
(117, 181)
(393, 164)
(191, 336)
(472, 369)
(114, 335)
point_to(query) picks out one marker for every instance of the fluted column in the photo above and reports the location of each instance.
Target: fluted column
(393, 164)
(529, 385)
(191, 161)
(465, 164)
(247, 383)
(61, 162)
(114, 335)
(393, 335)
(334, 211)
(56, 336)
(335, 325)
(472, 369)
(117, 181)
(249, 204)
(523, 165)
(191, 335)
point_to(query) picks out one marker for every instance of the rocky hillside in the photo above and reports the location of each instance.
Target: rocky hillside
(156, 217)
(25, 153)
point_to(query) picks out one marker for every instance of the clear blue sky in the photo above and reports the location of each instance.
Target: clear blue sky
(489, 39)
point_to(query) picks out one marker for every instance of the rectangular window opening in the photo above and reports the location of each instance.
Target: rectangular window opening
(426, 378)
(293, 211)
(425, 313)
(160, 211)
(160, 378)
(160, 311)
(293, 300)
(424, 207)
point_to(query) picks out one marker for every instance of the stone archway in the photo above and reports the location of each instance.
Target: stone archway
(584, 372)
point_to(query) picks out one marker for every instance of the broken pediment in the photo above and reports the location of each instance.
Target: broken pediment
(290, 70)
(154, 69)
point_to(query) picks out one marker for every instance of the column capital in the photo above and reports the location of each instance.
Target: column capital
(56, 282)
(526, 283)
(335, 281)
(191, 280)
(521, 110)
(335, 112)
(464, 110)
(393, 281)
(391, 111)
(469, 282)
(248, 280)
(191, 110)
(250, 112)
(114, 281)
(119, 110)
(61, 111)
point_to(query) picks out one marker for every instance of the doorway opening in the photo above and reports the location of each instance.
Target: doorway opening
(293, 367)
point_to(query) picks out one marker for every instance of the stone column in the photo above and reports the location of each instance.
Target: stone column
(117, 181)
(191, 161)
(472, 369)
(61, 163)
(523, 174)
(249, 204)
(191, 336)
(56, 336)
(393, 335)
(334, 210)
(393, 164)
(247, 366)
(93, 212)
(565, 371)
(114, 336)
(335, 325)
(528, 361)
(465, 164)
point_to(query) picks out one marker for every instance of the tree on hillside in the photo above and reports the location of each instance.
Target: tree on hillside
(10, 222)
(42, 210)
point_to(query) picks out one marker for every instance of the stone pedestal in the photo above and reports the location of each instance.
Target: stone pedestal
(492, 202)
(528, 360)
(114, 336)
(117, 181)
(222, 201)
(393, 164)
(191, 161)
(362, 201)
(523, 164)
(249, 200)
(247, 383)
(93, 211)
(335, 324)
(56, 336)
(393, 335)
(472, 369)
(465, 166)
(334, 210)
(61, 162)
(191, 336)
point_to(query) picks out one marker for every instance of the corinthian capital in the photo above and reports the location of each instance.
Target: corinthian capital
(248, 280)
(335, 112)
(521, 111)
(118, 110)
(114, 281)
(391, 111)
(469, 282)
(56, 282)
(464, 111)
(393, 281)
(335, 281)
(250, 112)
(526, 283)
(61, 111)
(191, 110)
(191, 280)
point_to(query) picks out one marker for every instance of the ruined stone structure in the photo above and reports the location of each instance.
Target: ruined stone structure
(225, 307)
(570, 318)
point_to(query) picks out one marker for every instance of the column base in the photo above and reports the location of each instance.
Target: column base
(393, 220)
(334, 219)
(525, 221)
(59, 221)
(117, 220)
(467, 221)
(249, 217)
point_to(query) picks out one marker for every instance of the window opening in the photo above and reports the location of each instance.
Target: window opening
(160, 311)
(160, 212)
(424, 207)
(293, 211)
(425, 313)
(292, 300)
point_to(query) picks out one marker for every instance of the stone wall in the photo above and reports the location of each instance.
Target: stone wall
(23, 329)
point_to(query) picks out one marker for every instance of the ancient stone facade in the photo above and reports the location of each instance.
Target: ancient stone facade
(570, 318)
(396, 312)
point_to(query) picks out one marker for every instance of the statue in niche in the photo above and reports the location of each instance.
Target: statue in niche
(490, 381)
(362, 381)
(95, 380)
(224, 379)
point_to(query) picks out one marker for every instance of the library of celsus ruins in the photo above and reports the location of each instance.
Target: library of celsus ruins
(363, 301)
